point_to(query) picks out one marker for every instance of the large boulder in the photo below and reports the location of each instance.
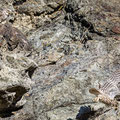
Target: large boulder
(75, 46)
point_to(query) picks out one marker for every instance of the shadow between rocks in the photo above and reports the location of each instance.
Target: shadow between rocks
(9, 112)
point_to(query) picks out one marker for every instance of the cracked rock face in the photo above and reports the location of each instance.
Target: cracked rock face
(13, 85)
(74, 46)
(14, 82)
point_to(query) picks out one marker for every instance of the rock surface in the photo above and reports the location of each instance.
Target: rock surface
(74, 46)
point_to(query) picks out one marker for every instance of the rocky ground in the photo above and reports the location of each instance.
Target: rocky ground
(52, 53)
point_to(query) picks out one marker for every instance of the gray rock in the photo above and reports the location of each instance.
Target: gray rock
(73, 50)
(13, 86)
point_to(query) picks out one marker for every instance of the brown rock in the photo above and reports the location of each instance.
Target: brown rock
(14, 37)
(116, 29)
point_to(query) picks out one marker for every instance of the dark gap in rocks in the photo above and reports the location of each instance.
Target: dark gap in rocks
(2, 92)
(71, 6)
(80, 27)
(11, 21)
(69, 119)
(84, 42)
(17, 89)
(20, 2)
(38, 13)
(84, 113)
(8, 112)
(30, 71)
(66, 18)
(69, 9)
(77, 17)
(52, 63)
(10, 46)
(85, 23)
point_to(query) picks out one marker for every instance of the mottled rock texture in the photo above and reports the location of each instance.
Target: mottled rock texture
(74, 45)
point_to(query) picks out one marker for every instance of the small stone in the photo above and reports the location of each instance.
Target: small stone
(116, 29)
